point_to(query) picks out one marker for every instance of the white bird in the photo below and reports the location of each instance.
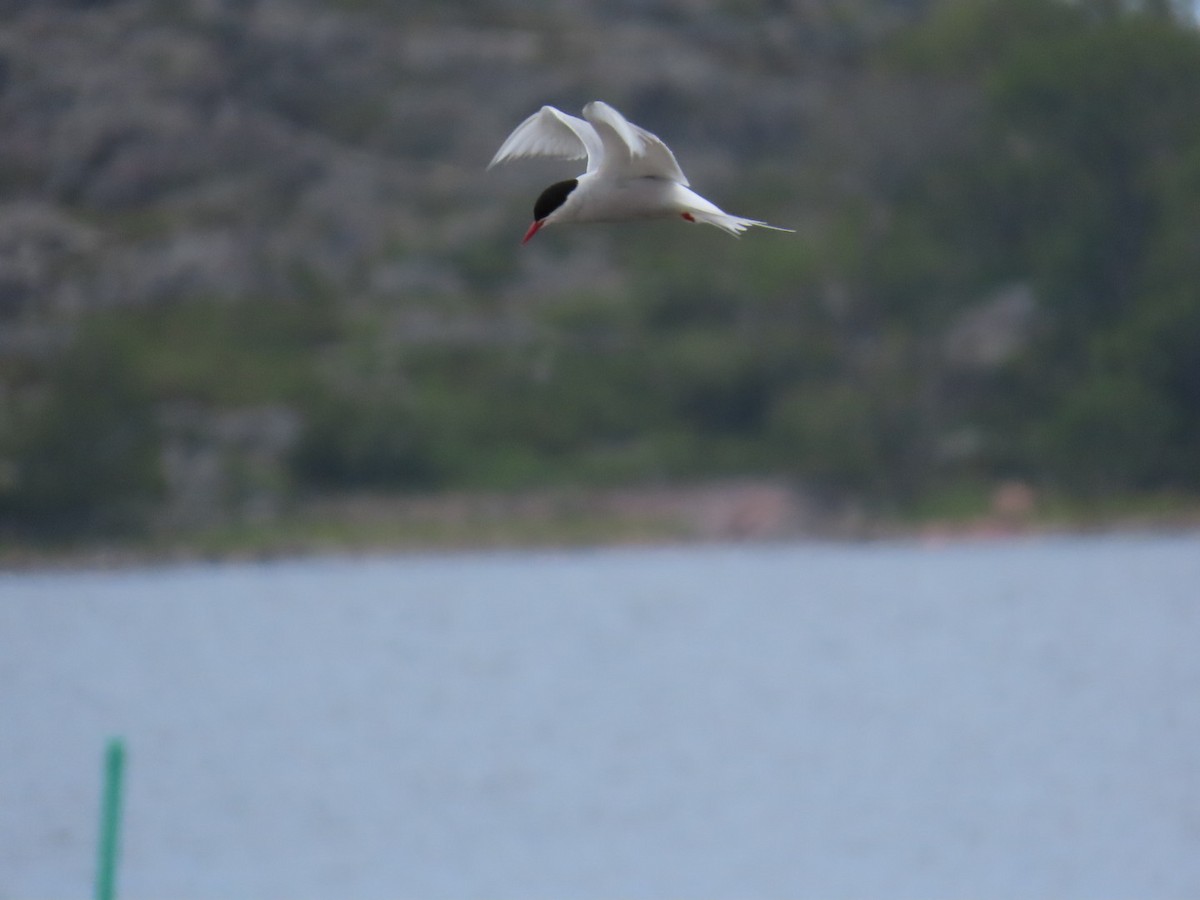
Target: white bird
(631, 174)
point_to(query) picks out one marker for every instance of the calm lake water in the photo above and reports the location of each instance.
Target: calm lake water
(993, 720)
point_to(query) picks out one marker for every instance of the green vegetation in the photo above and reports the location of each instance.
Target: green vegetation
(83, 460)
(1021, 302)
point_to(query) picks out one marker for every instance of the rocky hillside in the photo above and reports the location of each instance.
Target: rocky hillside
(153, 151)
(250, 251)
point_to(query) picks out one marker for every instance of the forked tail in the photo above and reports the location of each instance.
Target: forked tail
(735, 225)
(695, 208)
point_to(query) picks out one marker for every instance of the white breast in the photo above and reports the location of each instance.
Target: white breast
(605, 200)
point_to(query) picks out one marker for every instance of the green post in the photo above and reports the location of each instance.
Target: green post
(110, 820)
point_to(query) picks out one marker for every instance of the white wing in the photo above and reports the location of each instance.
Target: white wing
(629, 151)
(551, 132)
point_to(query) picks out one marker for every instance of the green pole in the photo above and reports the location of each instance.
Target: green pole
(110, 820)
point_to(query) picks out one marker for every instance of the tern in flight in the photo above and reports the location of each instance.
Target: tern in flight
(631, 173)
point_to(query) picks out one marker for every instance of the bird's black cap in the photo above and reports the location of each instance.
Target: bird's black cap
(553, 197)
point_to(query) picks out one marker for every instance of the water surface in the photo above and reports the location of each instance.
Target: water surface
(1009, 719)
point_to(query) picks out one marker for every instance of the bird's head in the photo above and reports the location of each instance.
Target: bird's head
(550, 202)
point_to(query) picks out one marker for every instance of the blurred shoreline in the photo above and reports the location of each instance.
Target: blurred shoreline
(736, 511)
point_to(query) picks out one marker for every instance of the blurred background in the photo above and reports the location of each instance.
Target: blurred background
(253, 272)
(258, 292)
